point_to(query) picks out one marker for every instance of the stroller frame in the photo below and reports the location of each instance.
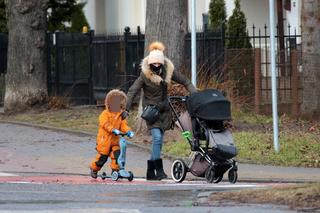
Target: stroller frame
(214, 171)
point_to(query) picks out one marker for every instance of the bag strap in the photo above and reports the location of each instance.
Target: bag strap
(164, 88)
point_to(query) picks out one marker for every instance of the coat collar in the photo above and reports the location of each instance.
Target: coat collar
(169, 67)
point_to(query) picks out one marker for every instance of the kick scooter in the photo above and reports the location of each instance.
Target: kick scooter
(122, 173)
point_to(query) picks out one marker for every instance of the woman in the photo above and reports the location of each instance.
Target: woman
(157, 73)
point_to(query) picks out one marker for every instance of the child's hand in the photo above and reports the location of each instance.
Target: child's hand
(124, 114)
(116, 131)
(130, 134)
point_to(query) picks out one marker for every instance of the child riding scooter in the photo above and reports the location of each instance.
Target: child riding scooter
(112, 125)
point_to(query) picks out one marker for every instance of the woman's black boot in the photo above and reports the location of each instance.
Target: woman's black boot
(159, 169)
(150, 170)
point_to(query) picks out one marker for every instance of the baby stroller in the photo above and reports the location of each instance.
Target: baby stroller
(210, 140)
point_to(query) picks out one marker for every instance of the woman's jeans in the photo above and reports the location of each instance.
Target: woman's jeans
(157, 140)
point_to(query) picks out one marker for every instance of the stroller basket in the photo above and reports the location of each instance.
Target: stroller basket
(222, 145)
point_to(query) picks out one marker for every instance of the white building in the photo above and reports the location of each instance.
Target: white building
(112, 16)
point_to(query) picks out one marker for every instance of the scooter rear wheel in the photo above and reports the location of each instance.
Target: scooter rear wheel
(103, 175)
(130, 178)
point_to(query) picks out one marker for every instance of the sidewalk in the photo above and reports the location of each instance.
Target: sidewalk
(50, 150)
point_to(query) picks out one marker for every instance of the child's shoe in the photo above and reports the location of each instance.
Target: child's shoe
(94, 174)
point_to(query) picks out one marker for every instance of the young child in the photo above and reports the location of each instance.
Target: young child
(111, 122)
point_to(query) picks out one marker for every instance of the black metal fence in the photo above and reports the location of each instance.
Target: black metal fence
(69, 66)
(210, 52)
(83, 67)
(287, 44)
(116, 61)
(253, 67)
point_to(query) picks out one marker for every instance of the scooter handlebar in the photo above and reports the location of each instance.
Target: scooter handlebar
(122, 134)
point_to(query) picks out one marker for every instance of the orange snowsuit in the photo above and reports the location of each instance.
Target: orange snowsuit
(107, 142)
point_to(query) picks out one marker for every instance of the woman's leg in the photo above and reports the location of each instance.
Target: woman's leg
(157, 140)
(155, 153)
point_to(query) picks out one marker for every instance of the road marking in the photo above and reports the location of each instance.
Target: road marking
(3, 174)
(85, 180)
(78, 211)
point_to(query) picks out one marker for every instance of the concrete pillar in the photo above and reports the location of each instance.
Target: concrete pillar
(112, 16)
(90, 11)
(100, 16)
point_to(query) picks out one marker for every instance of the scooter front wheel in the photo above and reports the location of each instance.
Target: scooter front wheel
(115, 176)
(130, 178)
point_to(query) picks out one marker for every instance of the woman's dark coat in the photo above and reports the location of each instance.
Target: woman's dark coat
(153, 90)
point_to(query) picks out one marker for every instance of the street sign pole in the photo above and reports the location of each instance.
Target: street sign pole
(273, 77)
(193, 44)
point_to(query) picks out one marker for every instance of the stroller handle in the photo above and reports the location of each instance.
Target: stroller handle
(180, 98)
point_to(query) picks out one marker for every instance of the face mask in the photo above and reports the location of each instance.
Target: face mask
(156, 69)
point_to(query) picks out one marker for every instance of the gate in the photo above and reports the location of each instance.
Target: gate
(69, 70)
(115, 61)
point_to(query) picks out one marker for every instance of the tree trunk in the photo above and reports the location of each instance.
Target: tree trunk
(310, 58)
(167, 21)
(26, 82)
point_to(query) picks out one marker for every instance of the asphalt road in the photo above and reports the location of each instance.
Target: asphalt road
(121, 196)
(42, 170)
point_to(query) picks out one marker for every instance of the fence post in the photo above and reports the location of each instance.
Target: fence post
(294, 84)
(138, 41)
(90, 80)
(57, 39)
(257, 82)
(126, 49)
(49, 80)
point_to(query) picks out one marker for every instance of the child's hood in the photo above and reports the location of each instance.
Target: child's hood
(116, 92)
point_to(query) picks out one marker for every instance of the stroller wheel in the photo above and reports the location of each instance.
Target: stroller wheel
(232, 176)
(217, 179)
(210, 174)
(178, 171)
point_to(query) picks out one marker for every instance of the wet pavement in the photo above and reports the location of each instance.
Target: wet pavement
(159, 197)
(29, 149)
(43, 169)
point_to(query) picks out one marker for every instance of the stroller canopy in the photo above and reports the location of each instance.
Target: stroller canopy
(209, 104)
